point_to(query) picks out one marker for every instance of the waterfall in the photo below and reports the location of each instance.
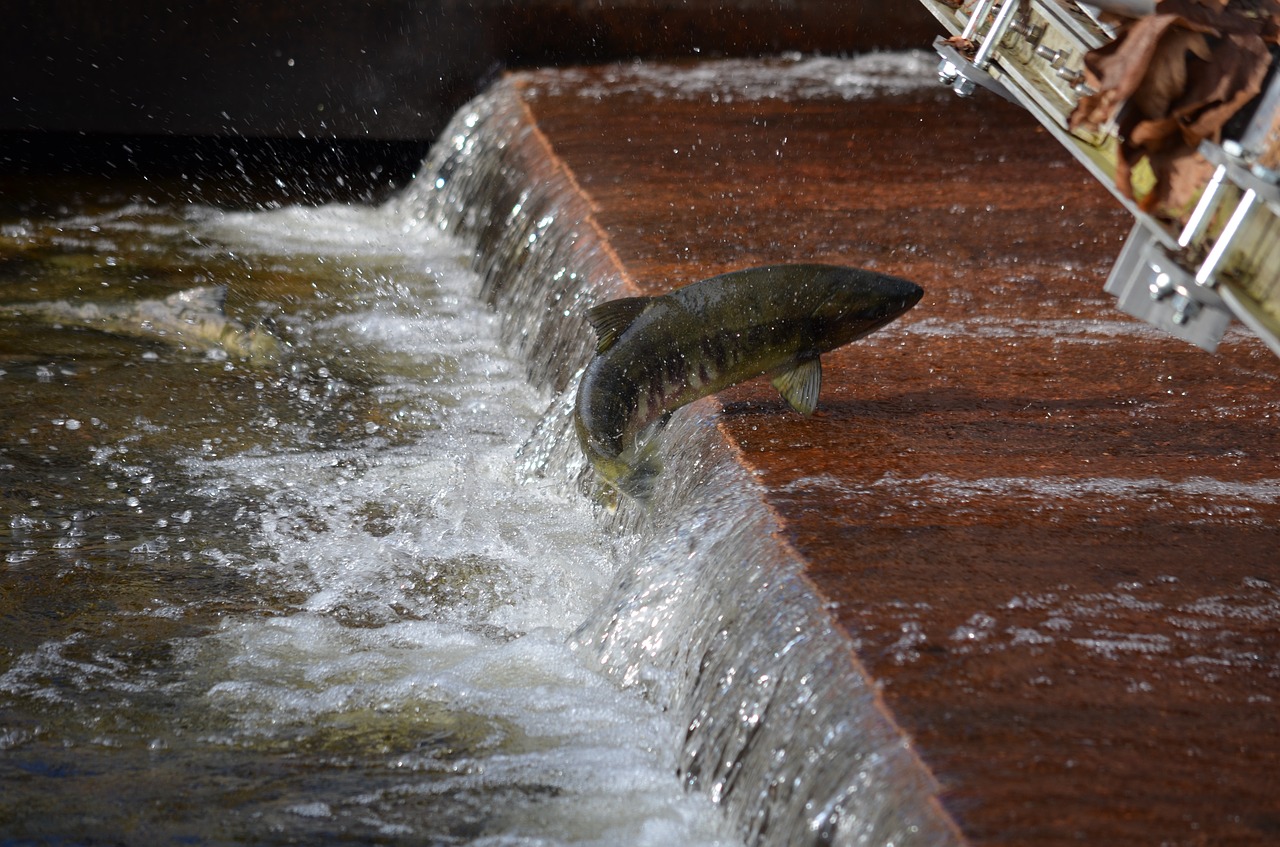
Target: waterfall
(714, 617)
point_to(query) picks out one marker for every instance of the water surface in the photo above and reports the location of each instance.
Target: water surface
(314, 601)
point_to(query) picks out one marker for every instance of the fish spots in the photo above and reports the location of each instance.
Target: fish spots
(715, 333)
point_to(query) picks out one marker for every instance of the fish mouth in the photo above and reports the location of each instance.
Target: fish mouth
(905, 295)
(896, 297)
(903, 304)
(899, 295)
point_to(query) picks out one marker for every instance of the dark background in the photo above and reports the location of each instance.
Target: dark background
(335, 98)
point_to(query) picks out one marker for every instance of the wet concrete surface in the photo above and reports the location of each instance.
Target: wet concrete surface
(1052, 533)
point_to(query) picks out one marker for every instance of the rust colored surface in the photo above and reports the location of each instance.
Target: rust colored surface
(1052, 534)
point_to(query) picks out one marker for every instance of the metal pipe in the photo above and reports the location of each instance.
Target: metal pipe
(1205, 275)
(1195, 224)
(1128, 8)
(983, 59)
(975, 17)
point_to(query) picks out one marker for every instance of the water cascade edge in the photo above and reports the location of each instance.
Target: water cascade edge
(782, 727)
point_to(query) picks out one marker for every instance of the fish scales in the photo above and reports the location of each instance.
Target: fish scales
(656, 354)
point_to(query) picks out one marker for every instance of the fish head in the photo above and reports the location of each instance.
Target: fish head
(852, 302)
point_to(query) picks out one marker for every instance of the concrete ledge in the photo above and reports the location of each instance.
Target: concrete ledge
(1047, 533)
(828, 766)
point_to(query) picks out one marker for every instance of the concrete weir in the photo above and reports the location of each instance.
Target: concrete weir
(1018, 581)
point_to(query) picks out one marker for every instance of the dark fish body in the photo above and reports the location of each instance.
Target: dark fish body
(656, 354)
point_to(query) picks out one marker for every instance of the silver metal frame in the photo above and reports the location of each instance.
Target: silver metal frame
(1189, 282)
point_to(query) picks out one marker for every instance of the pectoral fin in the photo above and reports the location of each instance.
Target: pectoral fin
(800, 385)
(611, 319)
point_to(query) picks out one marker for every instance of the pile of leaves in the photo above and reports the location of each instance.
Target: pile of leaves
(1172, 79)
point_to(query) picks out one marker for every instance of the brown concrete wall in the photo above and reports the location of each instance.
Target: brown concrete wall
(1050, 533)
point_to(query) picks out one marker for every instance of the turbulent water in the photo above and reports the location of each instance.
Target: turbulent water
(712, 616)
(357, 595)
(305, 603)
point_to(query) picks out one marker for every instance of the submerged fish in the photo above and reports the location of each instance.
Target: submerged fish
(192, 319)
(656, 354)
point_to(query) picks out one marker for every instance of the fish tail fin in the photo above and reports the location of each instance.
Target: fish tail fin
(640, 482)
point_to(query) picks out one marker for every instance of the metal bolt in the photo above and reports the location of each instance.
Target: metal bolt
(1032, 32)
(1265, 174)
(1162, 286)
(1184, 308)
(1071, 75)
(1055, 58)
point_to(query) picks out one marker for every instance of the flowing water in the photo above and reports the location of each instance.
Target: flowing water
(306, 602)
(357, 594)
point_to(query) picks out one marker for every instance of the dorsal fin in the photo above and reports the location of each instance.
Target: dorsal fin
(800, 385)
(611, 319)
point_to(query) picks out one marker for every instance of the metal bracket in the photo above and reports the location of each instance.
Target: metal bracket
(964, 76)
(1152, 286)
(1190, 281)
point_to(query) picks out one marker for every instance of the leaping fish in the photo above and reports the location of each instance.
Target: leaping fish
(192, 319)
(656, 354)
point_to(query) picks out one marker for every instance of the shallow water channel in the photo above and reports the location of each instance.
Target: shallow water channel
(308, 601)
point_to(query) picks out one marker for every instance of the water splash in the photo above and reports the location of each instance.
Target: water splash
(714, 616)
(492, 182)
(336, 602)
(316, 598)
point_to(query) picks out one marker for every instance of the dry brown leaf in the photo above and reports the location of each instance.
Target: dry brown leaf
(1166, 76)
(965, 46)
(1215, 92)
(1173, 79)
(1118, 69)
(1180, 174)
